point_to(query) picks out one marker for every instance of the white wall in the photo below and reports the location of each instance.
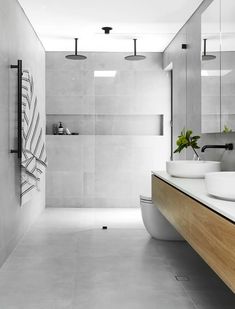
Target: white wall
(110, 163)
(18, 41)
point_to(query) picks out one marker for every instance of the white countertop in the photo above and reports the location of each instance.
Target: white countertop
(196, 189)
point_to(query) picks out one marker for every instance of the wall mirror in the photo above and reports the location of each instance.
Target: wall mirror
(218, 67)
(227, 66)
(210, 69)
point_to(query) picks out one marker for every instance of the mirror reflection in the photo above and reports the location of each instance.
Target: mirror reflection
(210, 69)
(218, 67)
(227, 66)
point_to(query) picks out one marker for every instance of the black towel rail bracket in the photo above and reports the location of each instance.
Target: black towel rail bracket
(18, 66)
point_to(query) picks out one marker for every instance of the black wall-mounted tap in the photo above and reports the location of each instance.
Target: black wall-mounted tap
(226, 147)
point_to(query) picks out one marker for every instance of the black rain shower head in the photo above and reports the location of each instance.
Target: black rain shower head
(208, 57)
(76, 56)
(205, 56)
(135, 57)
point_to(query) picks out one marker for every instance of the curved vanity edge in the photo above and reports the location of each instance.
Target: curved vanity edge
(196, 189)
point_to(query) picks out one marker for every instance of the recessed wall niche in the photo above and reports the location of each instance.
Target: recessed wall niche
(109, 124)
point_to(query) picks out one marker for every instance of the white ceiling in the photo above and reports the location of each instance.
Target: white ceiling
(153, 22)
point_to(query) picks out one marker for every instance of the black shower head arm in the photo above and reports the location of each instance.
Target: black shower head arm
(76, 46)
(204, 52)
(76, 56)
(135, 46)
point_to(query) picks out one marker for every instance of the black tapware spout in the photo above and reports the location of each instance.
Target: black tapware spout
(228, 146)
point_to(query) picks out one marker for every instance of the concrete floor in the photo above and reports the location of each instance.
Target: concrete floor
(67, 261)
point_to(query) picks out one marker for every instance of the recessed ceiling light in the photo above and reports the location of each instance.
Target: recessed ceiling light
(215, 73)
(105, 73)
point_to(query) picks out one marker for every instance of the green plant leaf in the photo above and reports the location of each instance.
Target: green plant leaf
(227, 129)
(185, 140)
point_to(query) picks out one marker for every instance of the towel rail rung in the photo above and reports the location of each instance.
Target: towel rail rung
(18, 66)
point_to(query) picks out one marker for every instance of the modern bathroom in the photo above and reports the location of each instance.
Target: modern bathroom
(117, 154)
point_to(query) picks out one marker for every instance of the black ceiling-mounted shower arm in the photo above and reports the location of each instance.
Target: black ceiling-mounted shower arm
(76, 46)
(204, 49)
(76, 56)
(205, 56)
(135, 57)
(134, 46)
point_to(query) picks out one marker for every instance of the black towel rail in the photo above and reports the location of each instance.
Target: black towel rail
(18, 66)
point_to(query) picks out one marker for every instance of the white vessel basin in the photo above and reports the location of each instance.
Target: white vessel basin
(221, 185)
(191, 168)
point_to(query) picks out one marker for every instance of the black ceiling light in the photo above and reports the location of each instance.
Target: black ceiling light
(135, 57)
(107, 29)
(76, 56)
(205, 56)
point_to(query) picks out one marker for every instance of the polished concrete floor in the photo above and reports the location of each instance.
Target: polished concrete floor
(67, 261)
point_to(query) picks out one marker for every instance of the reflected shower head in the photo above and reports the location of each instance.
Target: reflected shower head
(208, 57)
(205, 56)
(76, 56)
(135, 57)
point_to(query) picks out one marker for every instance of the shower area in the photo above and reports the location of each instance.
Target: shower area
(118, 112)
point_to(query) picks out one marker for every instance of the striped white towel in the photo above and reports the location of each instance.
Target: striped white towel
(34, 159)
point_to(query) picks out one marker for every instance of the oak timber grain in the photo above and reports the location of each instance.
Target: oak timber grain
(210, 234)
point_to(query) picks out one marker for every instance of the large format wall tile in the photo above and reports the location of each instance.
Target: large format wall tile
(69, 83)
(18, 41)
(123, 136)
(77, 104)
(65, 184)
(138, 104)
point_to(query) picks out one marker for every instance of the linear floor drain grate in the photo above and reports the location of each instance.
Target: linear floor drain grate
(182, 278)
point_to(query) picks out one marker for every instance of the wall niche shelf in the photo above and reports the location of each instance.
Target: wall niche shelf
(111, 124)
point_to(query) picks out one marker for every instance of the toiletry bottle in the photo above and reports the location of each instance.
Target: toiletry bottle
(60, 129)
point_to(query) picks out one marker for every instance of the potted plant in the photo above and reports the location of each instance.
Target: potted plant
(185, 140)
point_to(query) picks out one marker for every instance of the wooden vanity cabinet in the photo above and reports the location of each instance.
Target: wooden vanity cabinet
(210, 234)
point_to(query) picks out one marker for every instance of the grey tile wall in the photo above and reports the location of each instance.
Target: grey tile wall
(174, 55)
(121, 124)
(18, 41)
